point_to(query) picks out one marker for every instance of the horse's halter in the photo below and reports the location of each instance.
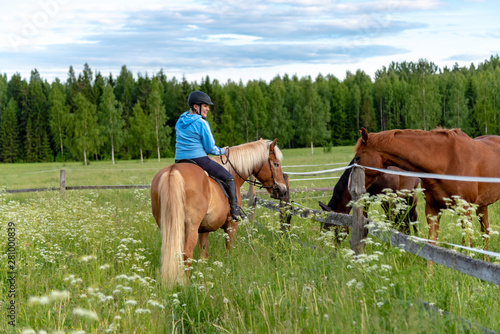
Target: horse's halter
(253, 182)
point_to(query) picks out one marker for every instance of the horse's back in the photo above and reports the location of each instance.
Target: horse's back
(491, 141)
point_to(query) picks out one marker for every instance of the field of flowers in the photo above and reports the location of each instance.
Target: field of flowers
(88, 262)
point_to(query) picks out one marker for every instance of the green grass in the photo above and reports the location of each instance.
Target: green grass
(46, 175)
(98, 251)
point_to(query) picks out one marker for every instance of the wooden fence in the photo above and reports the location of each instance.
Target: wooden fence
(63, 187)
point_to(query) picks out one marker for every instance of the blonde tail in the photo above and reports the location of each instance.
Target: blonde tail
(172, 198)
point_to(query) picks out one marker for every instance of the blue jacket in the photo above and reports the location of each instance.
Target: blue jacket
(194, 138)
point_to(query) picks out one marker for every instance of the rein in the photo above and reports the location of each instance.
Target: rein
(252, 182)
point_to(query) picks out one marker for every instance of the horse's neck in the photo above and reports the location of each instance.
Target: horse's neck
(239, 174)
(340, 195)
(339, 200)
(420, 154)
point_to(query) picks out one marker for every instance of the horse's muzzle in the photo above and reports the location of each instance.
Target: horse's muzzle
(279, 192)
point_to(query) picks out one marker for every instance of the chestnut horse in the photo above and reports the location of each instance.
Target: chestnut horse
(440, 151)
(187, 203)
(341, 198)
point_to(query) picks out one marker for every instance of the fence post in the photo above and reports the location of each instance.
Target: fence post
(251, 199)
(62, 180)
(285, 206)
(358, 230)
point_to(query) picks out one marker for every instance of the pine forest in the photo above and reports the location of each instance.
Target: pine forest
(92, 116)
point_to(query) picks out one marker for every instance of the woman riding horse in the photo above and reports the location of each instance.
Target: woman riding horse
(194, 140)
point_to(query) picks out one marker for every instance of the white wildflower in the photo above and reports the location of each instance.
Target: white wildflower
(87, 258)
(88, 314)
(28, 331)
(142, 310)
(351, 282)
(59, 295)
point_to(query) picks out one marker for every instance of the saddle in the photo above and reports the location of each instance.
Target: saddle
(221, 183)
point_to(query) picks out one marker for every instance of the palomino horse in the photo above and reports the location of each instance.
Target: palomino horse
(187, 202)
(341, 198)
(439, 151)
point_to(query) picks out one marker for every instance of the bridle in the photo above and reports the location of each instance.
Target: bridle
(252, 182)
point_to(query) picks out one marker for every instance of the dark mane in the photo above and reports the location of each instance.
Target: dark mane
(340, 187)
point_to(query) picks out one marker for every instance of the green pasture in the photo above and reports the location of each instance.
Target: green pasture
(87, 261)
(46, 175)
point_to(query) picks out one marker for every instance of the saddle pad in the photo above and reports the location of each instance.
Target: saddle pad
(219, 181)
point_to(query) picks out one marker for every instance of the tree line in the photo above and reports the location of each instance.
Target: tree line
(96, 117)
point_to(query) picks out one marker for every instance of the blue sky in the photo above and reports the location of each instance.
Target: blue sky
(242, 40)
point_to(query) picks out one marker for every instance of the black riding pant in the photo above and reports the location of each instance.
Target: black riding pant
(213, 168)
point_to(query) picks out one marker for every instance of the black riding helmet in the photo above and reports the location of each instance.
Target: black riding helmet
(199, 97)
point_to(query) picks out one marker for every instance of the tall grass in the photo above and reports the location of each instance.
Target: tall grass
(88, 261)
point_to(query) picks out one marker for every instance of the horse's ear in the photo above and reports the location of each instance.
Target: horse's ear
(273, 144)
(364, 134)
(324, 206)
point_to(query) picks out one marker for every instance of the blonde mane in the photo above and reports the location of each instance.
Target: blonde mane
(386, 137)
(246, 157)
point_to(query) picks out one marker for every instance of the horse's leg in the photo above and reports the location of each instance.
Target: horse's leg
(464, 230)
(398, 220)
(482, 213)
(230, 228)
(203, 240)
(432, 214)
(413, 216)
(433, 217)
(189, 245)
(409, 216)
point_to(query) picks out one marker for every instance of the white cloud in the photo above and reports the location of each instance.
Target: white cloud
(226, 39)
(243, 39)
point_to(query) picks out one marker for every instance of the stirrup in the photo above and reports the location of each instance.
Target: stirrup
(238, 213)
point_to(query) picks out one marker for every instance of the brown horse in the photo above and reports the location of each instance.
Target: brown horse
(341, 198)
(440, 151)
(186, 202)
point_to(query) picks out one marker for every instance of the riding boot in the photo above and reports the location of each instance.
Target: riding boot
(236, 212)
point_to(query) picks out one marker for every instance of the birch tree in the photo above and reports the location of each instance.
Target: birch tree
(112, 123)
(58, 115)
(157, 114)
(86, 134)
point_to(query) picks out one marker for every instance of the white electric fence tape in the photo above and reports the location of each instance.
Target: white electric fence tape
(320, 172)
(436, 176)
(413, 238)
(405, 173)
(316, 178)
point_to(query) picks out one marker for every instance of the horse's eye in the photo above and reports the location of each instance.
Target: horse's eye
(276, 164)
(358, 158)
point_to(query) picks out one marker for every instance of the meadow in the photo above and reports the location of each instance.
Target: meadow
(87, 261)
